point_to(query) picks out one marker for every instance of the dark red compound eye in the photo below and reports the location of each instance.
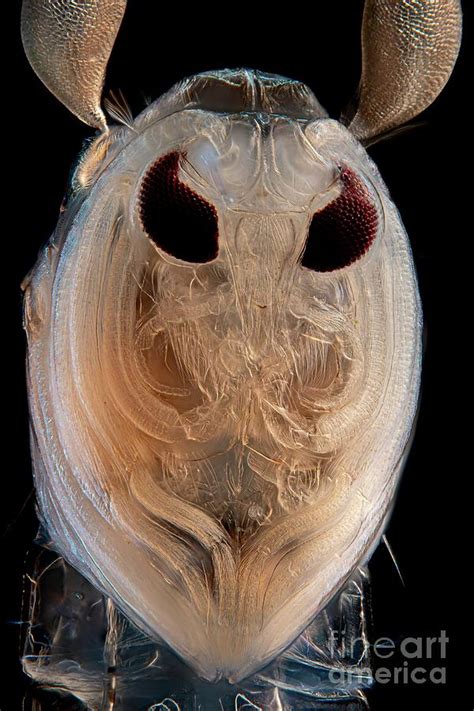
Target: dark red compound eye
(177, 219)
(342, 232)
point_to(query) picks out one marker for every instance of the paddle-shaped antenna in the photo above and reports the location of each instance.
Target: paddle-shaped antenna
(68, 45)
(409, 48)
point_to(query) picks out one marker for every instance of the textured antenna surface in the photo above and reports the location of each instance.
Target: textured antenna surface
(409, 48)
(68, 44)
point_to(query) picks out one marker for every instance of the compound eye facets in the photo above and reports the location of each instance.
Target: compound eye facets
(178, 220)
(343, 231)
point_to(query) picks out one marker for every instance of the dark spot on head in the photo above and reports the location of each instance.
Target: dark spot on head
(175, 218)
(342, 232)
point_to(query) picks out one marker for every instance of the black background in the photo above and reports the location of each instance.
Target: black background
(425, 170)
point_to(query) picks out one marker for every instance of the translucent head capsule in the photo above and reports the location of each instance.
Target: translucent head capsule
(224, 354)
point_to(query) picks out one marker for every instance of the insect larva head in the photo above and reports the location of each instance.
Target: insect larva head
(229, 319)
